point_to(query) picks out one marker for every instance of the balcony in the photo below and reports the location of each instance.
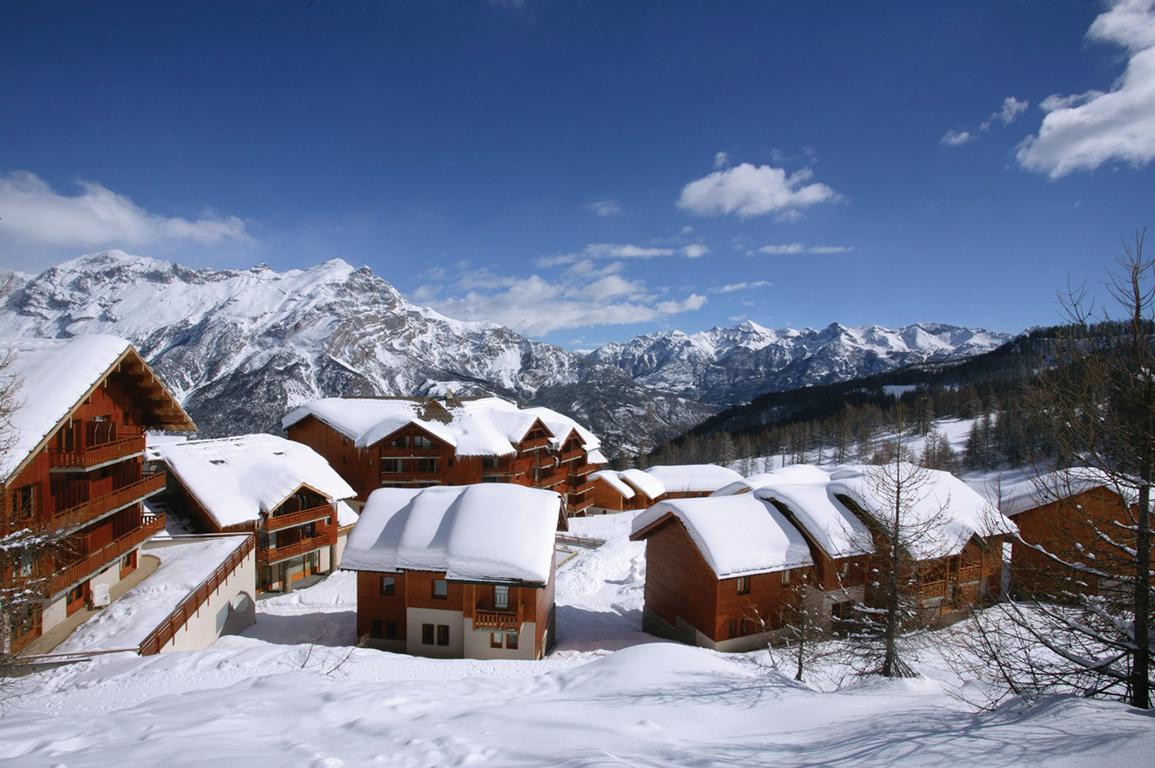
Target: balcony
(96, 456)
(533, 444)
(579, 506)
(931, 590)
(277, 554)
(95, 561)
(582, 470)
(573, 455)
(969, 573)
(497, 621)
(87, 511)
(580, 487)
(550, 480)
(293, 519)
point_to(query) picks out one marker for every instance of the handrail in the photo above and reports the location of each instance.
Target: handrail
(312, 514)
(115, 549)
(164, 632)
(81, 513)
(90, 456)
(969, 573)
(276, 554)
(503, 620)
(582, 488)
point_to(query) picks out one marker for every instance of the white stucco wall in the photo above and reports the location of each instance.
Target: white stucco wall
(55, 613)
(229, 609)
(477, 643)
(415, 617)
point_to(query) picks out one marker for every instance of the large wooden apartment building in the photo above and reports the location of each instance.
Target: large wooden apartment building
(711, 562)
(456, 571)
(283, 492)
(420, 442)
(73, 471)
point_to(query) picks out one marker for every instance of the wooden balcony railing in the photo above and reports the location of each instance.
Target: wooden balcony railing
(550, 480)
(929, 590)
(581, 470)
(968, 573)
(188, 607)
(497, 621)
(277, 554)
(573, 455)
(95, 561)
(310, 515)
(576, 507)
(93, 456)
(81, 513)
(533, 444)
(581, 488)
(409, 452)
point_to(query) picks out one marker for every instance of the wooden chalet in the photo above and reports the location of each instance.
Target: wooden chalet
(1069, 515)
(634, 489)
(456, 571)
(420, 442)
(691, 481)
(75, 473)
(283, 492)
(957, 552)
(721, 572)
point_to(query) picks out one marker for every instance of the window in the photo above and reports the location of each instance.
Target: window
(397, 442)
(495, 640)
(391, 630)
(743, 585)
(733, 627)
(376, 630)
(421, 441)
(427, 634)
(785, 578)
(440, 589)
(390, 467)
(24, 502)
(26, 565)
(490, 462)
(425, 466)
(501, 597)
(443, 634)
(511, 641)
(388, 585)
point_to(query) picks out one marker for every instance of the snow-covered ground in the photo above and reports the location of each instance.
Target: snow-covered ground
(291, 692)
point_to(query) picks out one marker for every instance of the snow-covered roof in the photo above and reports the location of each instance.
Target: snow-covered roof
(487, 426)
(940, 512)
(235, 479)
(610, 478)
(597, 457)
(836, 530)
(346, 515)
(487, 532)
(1055, 486)
(737, 535)
(51, 377)
(644, 482)
(693, 478)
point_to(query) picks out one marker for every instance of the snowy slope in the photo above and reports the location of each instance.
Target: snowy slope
(263, 700)
(724, 366)
(241, 347)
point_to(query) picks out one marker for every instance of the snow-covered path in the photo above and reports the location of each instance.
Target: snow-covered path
(290, 694)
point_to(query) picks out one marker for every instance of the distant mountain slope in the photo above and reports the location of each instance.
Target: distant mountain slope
(240, 347)
(725, 366)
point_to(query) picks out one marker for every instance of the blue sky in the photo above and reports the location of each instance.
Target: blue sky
(588, 171)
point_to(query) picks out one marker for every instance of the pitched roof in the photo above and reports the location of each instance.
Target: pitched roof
(941, 513)
(613, 480)
(737, 535)
(1058, 485)
(235, 479)
(53, 376)
(487, 426)
(485, 532)
(693, 478)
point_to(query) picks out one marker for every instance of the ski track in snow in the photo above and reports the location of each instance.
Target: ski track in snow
(291, 692)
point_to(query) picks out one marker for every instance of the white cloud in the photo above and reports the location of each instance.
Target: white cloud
(536, 305)
(754, 190)
(604, 208)
(721, 159)
(1083, 131)
(743, 286)
(695, 250)
(954, 138)
(788, 249)
(32, 213)
(616, 251)
(1011, 110)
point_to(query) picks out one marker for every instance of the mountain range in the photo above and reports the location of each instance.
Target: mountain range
(241, 347)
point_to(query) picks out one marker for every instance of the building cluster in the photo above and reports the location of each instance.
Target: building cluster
(447, 510)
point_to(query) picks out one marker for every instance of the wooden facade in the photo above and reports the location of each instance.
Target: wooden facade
(412, 457)
(295, 540)
(83, 486)
(607, 497)
(1067, 528)
(469, 619)
(686, 601)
